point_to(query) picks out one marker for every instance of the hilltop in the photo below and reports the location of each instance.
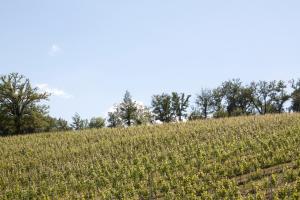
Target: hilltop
(239, 157)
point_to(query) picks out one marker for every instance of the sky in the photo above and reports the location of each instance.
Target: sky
(88, 53)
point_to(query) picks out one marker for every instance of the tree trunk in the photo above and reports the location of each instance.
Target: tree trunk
(180, 118)
(18, 124)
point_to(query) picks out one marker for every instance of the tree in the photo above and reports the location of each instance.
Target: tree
(98, 122)
(37, 121)
(218, 107)
(56, 125)
(6, 123)
(19, 102)
(62, 125)
(162, 107)
(269, 97)
(245, 100)
(261, 99)
(295, 95)
(180, 103)
(129, 113)
(114, 118)
(128, 109)
(78, 123)
(195, 114)
(205, 102)
(280, 96)
(237, 97)
(144, 115)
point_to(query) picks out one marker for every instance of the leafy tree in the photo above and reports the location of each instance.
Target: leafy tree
(180, 103)
(98, 122)
(295, 95)
(79, 123)
(205, 102)
(237, 97)
(54, 124)
(6, 123)
(280, 96)
(218, 107)
(269, 97)
(37, 121)
(129, 113)
(162, 107)
(19, 104)
(114, 118)
(245, 100)
(128, 110)
(143, 115)
(262, 99)
(195, 114)
(85, 123)
(62, 125)
(230, 91)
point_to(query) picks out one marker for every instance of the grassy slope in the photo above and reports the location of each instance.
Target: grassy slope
(235, 158)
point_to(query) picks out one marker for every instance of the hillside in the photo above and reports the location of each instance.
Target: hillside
(240, 157)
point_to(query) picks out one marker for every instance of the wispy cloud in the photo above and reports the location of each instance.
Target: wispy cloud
(53, 91)
(54, 50)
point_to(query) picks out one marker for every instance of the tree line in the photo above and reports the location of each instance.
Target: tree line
(22, 110)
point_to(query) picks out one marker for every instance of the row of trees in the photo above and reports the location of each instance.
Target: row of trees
(80, 124)
(231, 98)
(21, 110)
(165, 108)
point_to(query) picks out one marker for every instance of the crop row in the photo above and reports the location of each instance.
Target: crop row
(193, 160)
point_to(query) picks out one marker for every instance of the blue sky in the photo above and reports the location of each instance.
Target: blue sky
(89, 52)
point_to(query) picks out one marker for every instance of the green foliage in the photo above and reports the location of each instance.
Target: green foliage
(114, 118)
(129, 113)
(180, 104)
(162, 107)
(295, 96)
(98, 122)
(254, 157)
(261, 96)
(195, 114)
(280, 96)
(296, 101)
(269, 97)
(19, 109)
(128, 109)
(237, 98)
(168, 108)
(79, 123)
(205, 103)
(62, 125)
(144, 115)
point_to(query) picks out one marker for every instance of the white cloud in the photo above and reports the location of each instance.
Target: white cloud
(53, 91)
(112, 108)
(54, 50)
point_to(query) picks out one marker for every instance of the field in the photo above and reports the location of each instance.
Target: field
(235, 158)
